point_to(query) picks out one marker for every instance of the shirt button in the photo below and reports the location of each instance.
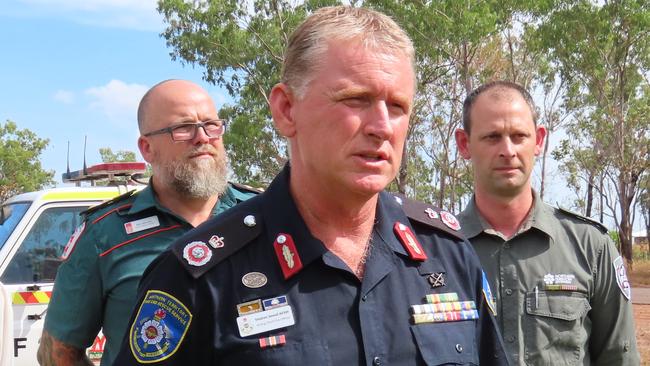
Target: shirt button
(364, 298)
(376, 361)
(459, 348)
(508, 291)
(511, 339)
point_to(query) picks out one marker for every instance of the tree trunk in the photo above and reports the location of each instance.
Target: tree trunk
(590, 195)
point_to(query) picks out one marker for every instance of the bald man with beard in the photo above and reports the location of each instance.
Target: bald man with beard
(181, 137)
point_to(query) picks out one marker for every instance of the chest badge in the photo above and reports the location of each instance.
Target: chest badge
(409, 242)
(142, 224)
(287, 254)
(436, 279)
(254, 279)
(197, 253)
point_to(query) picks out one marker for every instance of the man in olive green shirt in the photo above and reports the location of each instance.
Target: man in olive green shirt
(562, 295)
(180, 136)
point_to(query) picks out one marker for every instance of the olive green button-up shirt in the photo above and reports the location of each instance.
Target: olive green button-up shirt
(556, 284)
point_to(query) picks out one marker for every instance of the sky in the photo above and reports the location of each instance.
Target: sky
(75, 68)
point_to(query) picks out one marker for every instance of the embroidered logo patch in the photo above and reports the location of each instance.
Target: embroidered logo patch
(69, 247)
(159, 327)
(621, 277)
(489, 299)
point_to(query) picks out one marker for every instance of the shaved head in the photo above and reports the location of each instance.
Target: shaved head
(161, 93)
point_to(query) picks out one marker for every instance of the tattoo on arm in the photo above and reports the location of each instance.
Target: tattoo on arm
(53, 352)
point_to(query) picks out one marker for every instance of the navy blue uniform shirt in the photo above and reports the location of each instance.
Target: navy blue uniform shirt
(254, 287)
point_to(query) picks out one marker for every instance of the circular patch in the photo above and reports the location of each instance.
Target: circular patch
(254, 279)
(450, 220)
(197, 253)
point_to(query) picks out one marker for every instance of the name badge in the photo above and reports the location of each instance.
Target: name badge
(142, 224)
(264, 321)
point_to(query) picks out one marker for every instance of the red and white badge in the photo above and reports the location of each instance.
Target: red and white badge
(450, 220)
(285, 250)
(216, 241)
(197, 253)
(409, 242)
(72, 242)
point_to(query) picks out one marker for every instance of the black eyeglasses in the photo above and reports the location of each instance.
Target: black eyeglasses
(187, 131)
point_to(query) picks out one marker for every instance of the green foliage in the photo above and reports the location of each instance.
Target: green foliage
(20, 168)
(548, 46)
(108, 156)
(606, 63)
(240, 46)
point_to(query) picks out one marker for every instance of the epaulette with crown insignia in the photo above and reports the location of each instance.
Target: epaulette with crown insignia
(218, 238)
(430, 215)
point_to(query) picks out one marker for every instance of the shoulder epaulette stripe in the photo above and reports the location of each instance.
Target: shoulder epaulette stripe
(109, 202)
(138, 238)
(100, 218)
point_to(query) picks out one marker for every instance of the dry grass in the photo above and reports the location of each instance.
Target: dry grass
(640, 275)
(642, 320)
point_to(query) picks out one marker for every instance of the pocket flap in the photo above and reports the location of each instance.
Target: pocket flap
(565, 305)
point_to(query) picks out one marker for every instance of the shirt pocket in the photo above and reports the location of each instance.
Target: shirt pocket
(298, 354)
(554, 327)
(450, 343)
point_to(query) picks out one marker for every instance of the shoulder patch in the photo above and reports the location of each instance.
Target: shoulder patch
(430, 215)
(586, 219)
(218, 238)
(246, 188)
(72, 242)
(159, 327)
(109, 202)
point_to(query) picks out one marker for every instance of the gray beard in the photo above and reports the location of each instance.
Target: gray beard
(206, 179)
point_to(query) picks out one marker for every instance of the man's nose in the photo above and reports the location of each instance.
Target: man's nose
(507, 148)
(200, 137)
(379, 121)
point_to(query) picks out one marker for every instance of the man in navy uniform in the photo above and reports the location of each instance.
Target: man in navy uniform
(324, 268)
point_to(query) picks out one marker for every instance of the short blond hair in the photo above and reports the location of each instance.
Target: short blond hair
(308, 42)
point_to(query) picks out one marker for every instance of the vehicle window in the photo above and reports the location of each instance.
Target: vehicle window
(39, 255)
(10, 215)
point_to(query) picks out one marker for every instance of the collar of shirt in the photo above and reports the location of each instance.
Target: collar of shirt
(146, 199)
(540, 217)
(282, 217)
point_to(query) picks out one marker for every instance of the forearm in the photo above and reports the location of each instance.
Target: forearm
(52, 352)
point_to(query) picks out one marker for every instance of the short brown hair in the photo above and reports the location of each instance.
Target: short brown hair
(498, 84)
(309, 41)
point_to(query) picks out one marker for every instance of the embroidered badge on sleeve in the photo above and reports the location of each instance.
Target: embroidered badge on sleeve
(621, 277)
(159, 327)
(489, 299)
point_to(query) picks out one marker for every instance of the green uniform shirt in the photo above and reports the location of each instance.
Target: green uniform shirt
(96, 285)
(555, 282)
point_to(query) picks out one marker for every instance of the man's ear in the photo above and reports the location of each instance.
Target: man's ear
(145, 149)
(462, 142)
(281, 103)
(540, 134)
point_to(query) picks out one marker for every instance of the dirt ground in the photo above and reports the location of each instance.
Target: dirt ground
(642, 318)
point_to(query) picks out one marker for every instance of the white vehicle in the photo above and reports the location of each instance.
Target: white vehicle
(34, 229)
